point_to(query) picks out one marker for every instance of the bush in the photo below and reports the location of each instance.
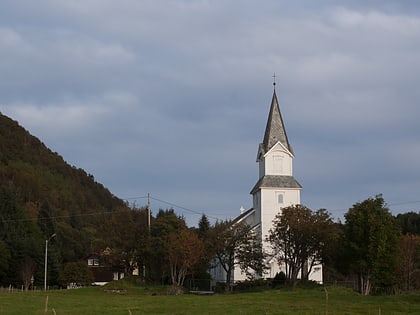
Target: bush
(253, 285)
(76, 274)
(279, 279)
(220, 287)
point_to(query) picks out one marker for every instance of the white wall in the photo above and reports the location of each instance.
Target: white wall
(271, 207)
(277, 161)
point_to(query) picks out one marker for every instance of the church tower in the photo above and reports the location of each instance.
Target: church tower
(276, 187)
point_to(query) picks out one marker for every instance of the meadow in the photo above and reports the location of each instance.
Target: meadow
(134, 299)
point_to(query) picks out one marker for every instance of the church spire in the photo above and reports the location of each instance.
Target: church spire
(275, 131)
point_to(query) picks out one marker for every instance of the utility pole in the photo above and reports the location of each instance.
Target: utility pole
(148, 211)
(148, 226)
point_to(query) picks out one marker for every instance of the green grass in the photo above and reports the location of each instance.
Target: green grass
(152, 300)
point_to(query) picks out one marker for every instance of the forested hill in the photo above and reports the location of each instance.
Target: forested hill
(37, 174)
(42, 195)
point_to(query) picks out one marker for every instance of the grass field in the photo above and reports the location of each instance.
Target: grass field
(136, 300)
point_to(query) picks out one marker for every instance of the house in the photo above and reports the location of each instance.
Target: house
(275, 189)
(102, 272)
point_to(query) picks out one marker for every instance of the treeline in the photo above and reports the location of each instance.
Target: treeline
(372, 248)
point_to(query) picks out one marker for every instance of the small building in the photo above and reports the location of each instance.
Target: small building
(102, 272)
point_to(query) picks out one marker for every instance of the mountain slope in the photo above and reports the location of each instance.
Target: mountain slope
(38, 174)
(42, 195)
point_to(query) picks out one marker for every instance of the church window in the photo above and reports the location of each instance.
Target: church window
(280, 198)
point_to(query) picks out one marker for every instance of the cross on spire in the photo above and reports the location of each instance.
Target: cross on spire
(274, 79)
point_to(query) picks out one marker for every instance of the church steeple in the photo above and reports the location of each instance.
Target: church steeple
(275, 130)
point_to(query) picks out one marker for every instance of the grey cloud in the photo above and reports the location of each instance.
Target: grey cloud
(172, 97)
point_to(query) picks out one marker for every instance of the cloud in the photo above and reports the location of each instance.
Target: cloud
(172, 97)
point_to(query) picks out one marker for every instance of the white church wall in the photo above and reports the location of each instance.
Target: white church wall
(278, 161)
(261, 167)
(316, 274)
(272, 200)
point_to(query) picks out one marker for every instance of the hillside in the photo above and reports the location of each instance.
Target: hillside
(41, 194)
(38, 174)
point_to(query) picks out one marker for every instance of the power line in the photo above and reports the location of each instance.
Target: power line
(61, 216)
(184, 208)
(110, 212)
(404, 203)
(172, 205)
(175, 206)
(132, 198)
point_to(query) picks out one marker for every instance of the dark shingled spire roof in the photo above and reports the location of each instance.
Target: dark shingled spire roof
(275, 131)
(276, 181)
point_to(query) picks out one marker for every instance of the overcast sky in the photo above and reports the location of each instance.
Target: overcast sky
(172, 97)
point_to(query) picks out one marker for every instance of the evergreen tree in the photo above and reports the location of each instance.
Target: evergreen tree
(203, 226)
(20, 236)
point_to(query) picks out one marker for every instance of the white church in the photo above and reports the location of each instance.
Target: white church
(276, 188)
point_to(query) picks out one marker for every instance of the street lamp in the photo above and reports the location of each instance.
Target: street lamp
(46, 261)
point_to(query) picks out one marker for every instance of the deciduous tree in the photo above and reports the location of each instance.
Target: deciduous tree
(372, 237)
(235, 244)
(408, 267)
(27, 271)
(300, 239)
(152, 246)
(184, 250)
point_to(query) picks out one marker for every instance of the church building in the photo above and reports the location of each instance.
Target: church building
(275, 188)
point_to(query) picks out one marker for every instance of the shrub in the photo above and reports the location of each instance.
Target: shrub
(279, 279)
(76, 274)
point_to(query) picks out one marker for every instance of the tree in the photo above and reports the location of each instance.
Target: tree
(46, 220)
(27, 271)
(152, 247)
(301, 239)
(327, 234)
(408, 266)
(20, 236)
(47, 225)
(235, 243)
(372, 237)
(4, 259)
(251, 257)
(409, 222)
(203, 227)
(121, 233)
(77, 273)
(184, 250)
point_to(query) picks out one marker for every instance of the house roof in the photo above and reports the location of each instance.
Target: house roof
(275, 130)
(276, 181)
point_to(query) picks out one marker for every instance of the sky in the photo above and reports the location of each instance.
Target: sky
(171, 97)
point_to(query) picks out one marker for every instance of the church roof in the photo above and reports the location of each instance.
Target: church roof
(275, 131)
(244, 215)
(276, 181)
